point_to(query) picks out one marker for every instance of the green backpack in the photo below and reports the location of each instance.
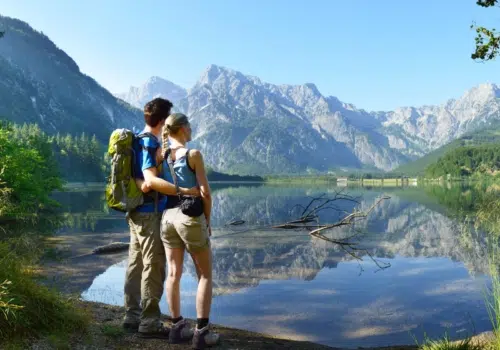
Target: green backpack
(122, 193)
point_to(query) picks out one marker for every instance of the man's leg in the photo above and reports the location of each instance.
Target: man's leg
(153, 273)
(132, 289)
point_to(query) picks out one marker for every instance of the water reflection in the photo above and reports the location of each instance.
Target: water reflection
(289, 284)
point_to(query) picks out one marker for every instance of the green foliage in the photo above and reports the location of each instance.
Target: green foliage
(213, 175)
(466, 161)
(80, 158)
(31, 166)
(27, 308)
(485, 135)
(488, 219)
(112, 331)
(457, 199)
(28, 172)
(493, 295)
(487, 40)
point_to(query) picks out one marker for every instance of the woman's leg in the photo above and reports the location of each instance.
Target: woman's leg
(203, 336)
(203, 262)
(175, 260)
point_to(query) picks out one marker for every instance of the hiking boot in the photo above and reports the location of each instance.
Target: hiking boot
(204, 338)
(161, 332)
(180, 332)
(130, 327)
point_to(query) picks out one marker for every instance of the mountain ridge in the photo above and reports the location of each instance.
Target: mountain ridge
(381, 139)
(154, 87)
(41, 84)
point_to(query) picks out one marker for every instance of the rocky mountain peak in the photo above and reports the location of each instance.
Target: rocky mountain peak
(154, 87)
(481, 93)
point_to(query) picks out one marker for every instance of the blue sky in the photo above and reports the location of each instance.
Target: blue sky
(376, 54)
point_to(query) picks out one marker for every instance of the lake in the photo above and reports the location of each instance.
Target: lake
(414, 269)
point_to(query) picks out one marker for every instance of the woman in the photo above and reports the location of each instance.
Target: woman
(181, 232)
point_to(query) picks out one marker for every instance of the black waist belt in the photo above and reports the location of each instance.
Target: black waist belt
(172, 202)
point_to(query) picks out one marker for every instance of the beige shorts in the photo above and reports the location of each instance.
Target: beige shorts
(182, 231)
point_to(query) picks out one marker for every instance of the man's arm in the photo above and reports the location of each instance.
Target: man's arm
(160, 185)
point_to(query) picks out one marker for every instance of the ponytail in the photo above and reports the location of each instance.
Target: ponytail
(172, 125)
(166, 147)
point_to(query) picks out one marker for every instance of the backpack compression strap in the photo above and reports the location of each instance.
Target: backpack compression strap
(141, 136)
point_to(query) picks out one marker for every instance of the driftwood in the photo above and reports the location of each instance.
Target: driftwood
(316, 205)
(310, 212)
(111, 248)
(349, 219)
(235, 222)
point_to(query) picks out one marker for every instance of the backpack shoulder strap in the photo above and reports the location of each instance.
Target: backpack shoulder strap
(147, 134)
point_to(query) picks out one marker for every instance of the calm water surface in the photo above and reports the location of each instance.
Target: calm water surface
(284, 282)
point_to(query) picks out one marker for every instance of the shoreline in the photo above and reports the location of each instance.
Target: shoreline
(105, 332)
(75, 271)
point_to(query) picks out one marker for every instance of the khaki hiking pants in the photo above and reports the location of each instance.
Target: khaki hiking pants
(145, 272)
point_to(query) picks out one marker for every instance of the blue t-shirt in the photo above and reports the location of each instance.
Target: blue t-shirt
(145, 158)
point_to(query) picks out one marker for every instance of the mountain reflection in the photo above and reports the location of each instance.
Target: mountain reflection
(406, 225)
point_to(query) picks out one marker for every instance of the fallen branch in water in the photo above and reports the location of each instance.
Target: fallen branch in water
(349, 219)
(310, 213)
(235, 222)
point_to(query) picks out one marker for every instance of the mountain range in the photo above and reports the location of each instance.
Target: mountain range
(245, 125)
(241, 123)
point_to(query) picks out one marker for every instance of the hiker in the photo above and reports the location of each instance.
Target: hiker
(146, 264)
(180, 232)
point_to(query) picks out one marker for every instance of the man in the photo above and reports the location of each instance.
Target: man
(146, 264)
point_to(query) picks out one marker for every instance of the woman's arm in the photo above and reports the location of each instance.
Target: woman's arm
(196, 160)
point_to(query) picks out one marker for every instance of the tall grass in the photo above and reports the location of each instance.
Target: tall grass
(493, 300)
(29, 310)
(446, 344)
(488, 218)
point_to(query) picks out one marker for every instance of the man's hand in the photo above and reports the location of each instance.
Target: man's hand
(145, 187)
(194, 191)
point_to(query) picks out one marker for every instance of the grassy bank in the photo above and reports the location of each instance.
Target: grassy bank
(29, 310)
(28, 176)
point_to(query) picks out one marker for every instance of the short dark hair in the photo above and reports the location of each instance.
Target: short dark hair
(156, 111)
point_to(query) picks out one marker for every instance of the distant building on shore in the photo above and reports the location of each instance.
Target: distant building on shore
(341, 181)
